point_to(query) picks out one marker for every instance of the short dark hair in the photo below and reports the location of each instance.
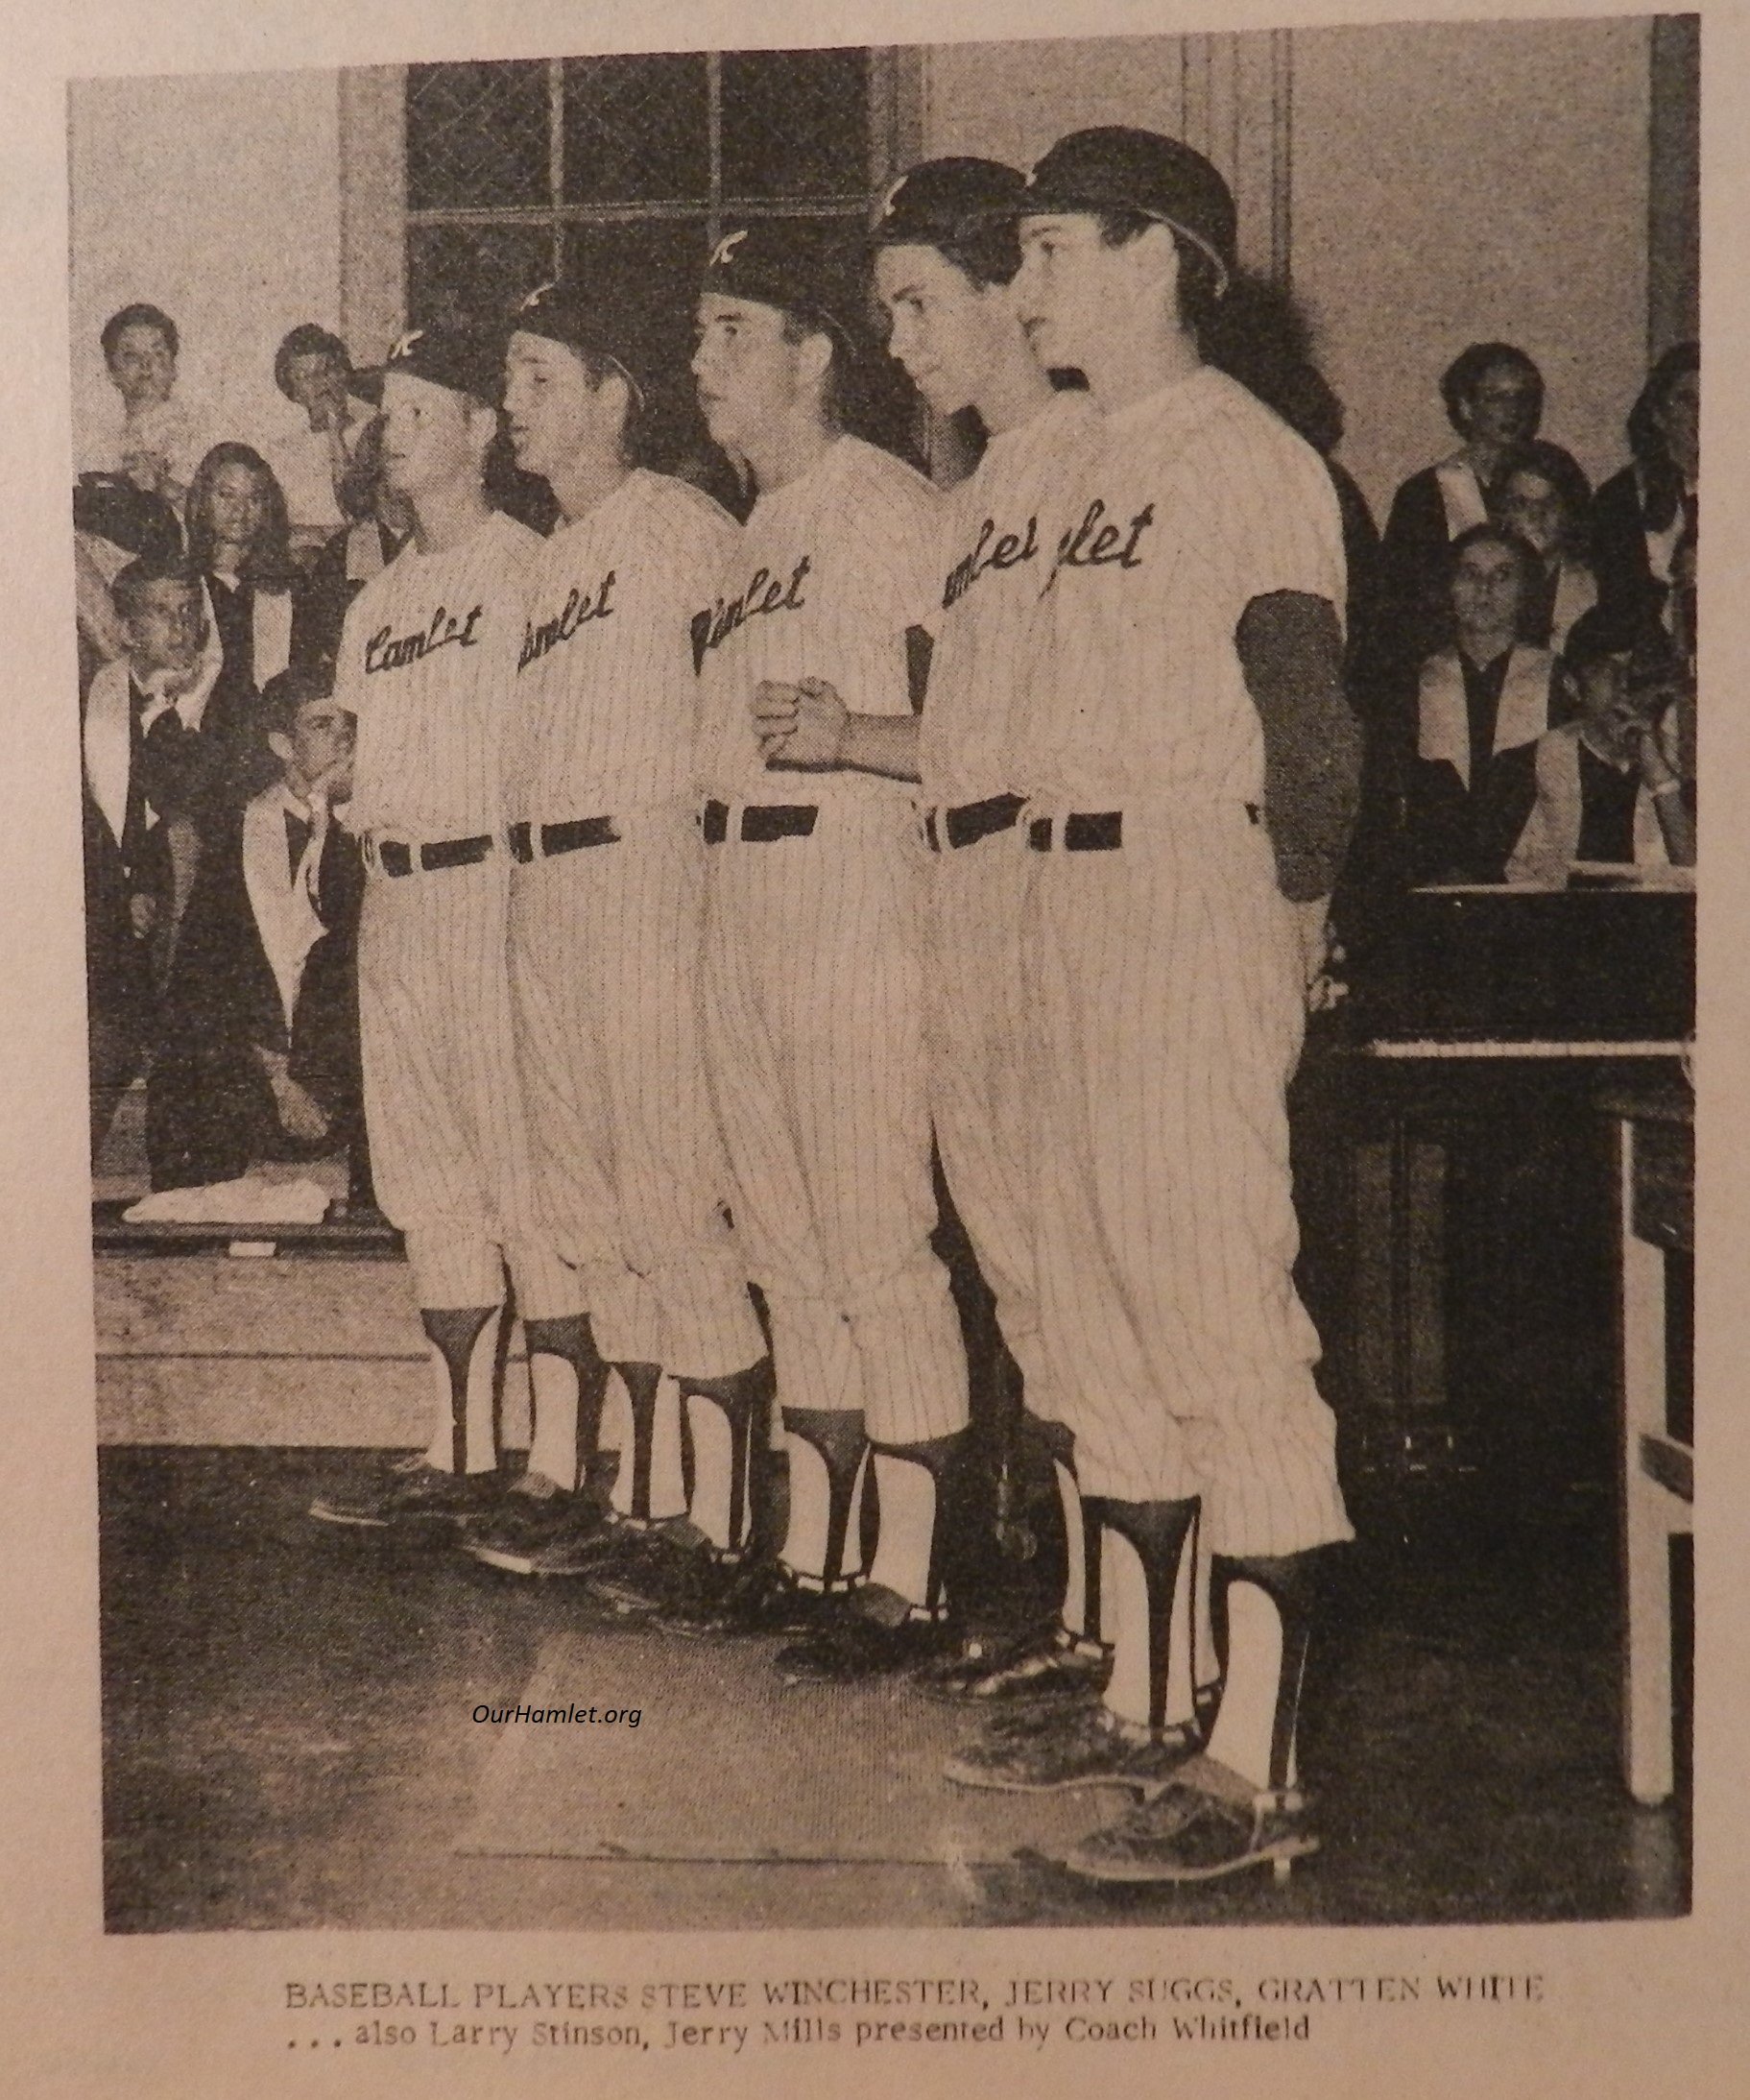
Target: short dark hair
(288, 690)
(984, 251)
(1492, 535)
(1461, 378)
(307, 340)
(1200, 285)
(138, 316)
(133, 582)
(835, 392)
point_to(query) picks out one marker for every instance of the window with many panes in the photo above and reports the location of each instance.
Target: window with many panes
(623, 172)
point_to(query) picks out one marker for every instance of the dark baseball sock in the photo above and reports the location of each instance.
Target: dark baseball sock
(725, 1422)
(468, 1345)
(1142, 1597)
(913, 1485)
(1080, 1611)
(828, 1458)
(567, 1383)
(648, 1486)
(1264, 1611)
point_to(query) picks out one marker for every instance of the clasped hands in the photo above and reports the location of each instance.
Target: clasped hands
(802, 725)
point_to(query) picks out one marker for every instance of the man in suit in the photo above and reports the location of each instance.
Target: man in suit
(145, 770)
(258, 1053)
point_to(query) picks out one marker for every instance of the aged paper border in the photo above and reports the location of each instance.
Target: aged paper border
(1628, 2008)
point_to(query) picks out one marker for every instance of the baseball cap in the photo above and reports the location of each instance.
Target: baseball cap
(1114, 167)
(942, 201)
(612, 330)
(791, 267)
(466, 361)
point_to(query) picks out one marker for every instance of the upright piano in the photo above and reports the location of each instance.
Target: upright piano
(1478, 1010)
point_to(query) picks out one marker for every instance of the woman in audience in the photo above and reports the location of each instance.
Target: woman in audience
(238, 545)
(1643, 513)
(1494, 397)
(1488, 693)
(1530, 500)
(1609, 787)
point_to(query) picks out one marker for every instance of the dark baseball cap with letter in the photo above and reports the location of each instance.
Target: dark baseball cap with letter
(611, 331)
(944, 200)
(1117, 168)
(466, 361)
(795, 268)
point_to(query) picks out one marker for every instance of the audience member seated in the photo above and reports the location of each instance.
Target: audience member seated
(324, 425)
(383, 525)
(1494, 397)
(146, 765)
(1607, 787)
(150, 435)
(1644, 512)
(258, 1055)
(237, 545)
(1487, 693)
(1530, 500)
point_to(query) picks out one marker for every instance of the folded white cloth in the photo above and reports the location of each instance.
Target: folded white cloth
(249, 1200)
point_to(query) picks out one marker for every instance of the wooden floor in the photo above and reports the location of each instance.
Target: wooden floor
(289, 1743)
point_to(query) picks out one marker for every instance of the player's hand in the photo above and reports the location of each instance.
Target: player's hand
(802, 726)
(299, 1116)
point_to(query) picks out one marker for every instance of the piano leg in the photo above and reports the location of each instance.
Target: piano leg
(1647, 1523)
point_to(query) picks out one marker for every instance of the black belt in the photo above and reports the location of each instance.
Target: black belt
(1099, 830)
(396, 857)
(556, 838)
(972, 821)
(761, 822)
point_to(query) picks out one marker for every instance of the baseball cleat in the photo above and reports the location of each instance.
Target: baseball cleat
(759, 1596)
(1091, 1747)
(951, 1676)
(1052, 1670)
(409, 1490)
(855, 1647)
(649, 1568)
(518, 1535)
(1208, 1821)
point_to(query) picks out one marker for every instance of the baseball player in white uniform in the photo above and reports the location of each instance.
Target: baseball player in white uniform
(946, 256)
(428, 665)
(814, 957)
(1194, 763)
(606, 926)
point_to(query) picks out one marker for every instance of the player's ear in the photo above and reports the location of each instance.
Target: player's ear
(814, 357)
(280, 745)
(482, 423)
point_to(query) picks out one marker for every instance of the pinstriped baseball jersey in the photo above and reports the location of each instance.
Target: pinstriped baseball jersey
(605, 941)
(428, 660)
(1000, 531)
(1164, 971)
(831, 571)
(1197, 500)
(606, 693)
(813, 957)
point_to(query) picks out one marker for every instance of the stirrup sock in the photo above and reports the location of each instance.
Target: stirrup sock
(467, 1355)
(1145, 1551)
(723, 1426)
(643, 1406)
(567, 1380)
(1265, 1608)
(911, 1484)
(828, 1459)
